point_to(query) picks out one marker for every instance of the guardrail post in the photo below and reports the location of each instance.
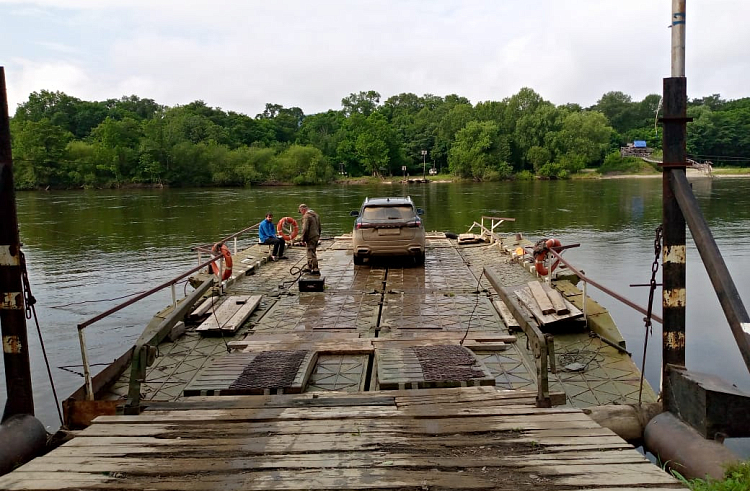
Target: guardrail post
(673, 252)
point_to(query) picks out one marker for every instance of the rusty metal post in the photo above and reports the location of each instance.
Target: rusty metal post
(673, 221)
(673, 252)
(12, 314)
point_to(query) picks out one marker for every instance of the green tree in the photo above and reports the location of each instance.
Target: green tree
(583, 140)
(619, 109)
(364, 103)
(39, 148)
(119, 143)
(478, 152)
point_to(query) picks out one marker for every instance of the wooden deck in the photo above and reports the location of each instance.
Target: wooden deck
(461, 438)
(394, 377)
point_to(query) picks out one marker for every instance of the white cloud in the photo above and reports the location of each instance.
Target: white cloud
(241, 55)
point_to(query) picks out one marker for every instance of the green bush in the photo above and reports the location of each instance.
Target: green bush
(615, 164)
(736, 478)
(524, 175)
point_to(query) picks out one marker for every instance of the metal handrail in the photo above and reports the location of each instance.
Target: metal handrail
(604, 289)
(721, 279)
(233, 236)
(143, 295)
(85, 324)
(170, 283)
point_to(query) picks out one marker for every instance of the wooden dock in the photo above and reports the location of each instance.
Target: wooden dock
(461, 438)
(394, 377)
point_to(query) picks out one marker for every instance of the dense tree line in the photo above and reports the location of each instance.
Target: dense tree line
(62, 141)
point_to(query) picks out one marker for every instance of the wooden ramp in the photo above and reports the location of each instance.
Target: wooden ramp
(463, 438)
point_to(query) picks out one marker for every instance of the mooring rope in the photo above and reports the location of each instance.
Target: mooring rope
(31, 312)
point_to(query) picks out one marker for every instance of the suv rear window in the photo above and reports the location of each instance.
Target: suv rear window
(404, 212)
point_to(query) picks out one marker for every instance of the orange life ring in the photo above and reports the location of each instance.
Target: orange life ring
(282, 231)
(224, 251)
(540, 254)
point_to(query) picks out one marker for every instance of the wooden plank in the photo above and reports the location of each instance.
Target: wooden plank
(242, 314)
(290, 480)
(541, 298)
(506, 315)
(524, 295)
(155, 466)
(223, 313)
(556, 299)
(308, 413)
(203, 308)
(562, 422)
(475, 345)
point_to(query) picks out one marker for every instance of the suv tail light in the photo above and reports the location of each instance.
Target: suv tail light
(415, 223)
(364, 225)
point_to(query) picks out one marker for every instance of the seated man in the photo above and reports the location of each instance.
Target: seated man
(267, 233)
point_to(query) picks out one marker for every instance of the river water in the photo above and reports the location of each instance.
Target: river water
(85, 249)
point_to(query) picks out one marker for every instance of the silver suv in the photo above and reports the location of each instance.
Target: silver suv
(387, 227)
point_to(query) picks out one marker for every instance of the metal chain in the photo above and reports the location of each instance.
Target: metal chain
(31, 312)
(652, 289)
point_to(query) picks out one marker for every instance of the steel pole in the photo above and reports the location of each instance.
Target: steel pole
(12, 314)
(674, 293)
(678, 38)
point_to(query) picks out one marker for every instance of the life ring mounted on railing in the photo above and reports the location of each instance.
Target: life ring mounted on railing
(287, 228)
(541, 251)
(221, 248)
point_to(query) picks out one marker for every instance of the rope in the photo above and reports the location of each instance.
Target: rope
(31, 312)
(476, 303)
(295, 271)
(185, 282)
(221, 330)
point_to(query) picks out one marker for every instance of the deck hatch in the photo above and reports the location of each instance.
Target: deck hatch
(429, 366)
(270, 370)
(273, 371)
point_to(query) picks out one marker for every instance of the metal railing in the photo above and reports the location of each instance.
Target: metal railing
(494, 222)
(586, 280)
(88, 386)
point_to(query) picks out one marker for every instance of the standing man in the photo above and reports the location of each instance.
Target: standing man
(310, 236)
(267, 234)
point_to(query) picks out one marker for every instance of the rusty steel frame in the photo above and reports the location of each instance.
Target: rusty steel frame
(718, 273)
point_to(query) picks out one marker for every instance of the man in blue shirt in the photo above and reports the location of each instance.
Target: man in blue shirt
(267, 233)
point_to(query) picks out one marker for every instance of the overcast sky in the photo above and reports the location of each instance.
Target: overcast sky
(241, 54)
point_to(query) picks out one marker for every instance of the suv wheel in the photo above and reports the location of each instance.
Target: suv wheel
(358, 260)
(419, 259)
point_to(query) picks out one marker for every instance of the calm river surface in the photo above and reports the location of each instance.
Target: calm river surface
(95, 246)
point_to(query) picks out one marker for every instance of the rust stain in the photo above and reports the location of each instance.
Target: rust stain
(11, 301)
(11, 345)
(676, 297)
(8, 256)
(674, 254)
(675, 340)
